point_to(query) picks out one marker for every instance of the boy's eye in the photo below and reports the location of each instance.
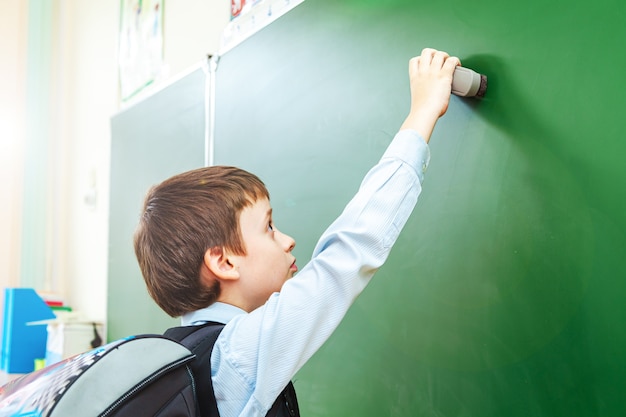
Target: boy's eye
(270, 227)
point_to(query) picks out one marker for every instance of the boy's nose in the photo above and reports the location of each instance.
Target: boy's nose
(288, 242)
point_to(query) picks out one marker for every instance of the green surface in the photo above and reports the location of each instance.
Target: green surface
(504, 295)
(151, 141)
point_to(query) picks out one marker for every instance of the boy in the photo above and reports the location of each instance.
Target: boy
(209, 251)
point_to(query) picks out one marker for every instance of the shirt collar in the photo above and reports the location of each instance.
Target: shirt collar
(217, 312)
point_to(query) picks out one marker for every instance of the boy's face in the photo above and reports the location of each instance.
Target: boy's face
(268, 262)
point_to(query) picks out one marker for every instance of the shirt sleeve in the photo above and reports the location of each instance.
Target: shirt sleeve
(258, 353)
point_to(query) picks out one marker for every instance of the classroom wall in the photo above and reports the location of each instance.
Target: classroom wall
(75, 92)
(12, 83)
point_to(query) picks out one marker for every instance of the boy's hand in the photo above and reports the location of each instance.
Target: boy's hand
(430, 76)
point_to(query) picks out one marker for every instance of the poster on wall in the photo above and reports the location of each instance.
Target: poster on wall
(141, 45)
(236, 6)
(249, 16)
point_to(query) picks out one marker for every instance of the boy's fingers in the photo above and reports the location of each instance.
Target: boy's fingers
(451, 63)
(438, 59)
(414, 65)
(428, 53)
(432, 58)
(425, 58)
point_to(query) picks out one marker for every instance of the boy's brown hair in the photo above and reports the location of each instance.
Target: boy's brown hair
(182, 218)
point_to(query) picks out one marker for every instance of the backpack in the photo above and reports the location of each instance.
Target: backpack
(144, 375)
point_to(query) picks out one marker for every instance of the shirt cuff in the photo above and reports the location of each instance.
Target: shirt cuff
(409, 147)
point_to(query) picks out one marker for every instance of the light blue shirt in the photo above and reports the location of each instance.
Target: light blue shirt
(257, 354)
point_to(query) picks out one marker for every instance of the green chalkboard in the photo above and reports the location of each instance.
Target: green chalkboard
(505, 294)
(160, 136)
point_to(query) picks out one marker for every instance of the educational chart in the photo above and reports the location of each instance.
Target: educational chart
(250, 16)
(140, 45)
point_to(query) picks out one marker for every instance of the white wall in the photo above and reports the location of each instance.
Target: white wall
(84, 97)
(87, 96)
(13, 15)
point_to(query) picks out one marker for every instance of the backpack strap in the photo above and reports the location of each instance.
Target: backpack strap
(286, 405)
(200, 340)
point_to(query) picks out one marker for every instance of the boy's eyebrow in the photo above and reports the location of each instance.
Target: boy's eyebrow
(268, 214)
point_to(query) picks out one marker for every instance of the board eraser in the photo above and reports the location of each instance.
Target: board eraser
(468, 83)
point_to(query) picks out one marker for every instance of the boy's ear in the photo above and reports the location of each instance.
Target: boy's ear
(216, 260)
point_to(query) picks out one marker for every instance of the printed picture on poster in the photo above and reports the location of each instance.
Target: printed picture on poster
(236, 6)
(249, 16)
(141, 45)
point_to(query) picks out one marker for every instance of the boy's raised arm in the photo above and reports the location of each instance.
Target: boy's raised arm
(258, 353)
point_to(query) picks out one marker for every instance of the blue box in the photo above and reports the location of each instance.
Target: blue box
(22, 342)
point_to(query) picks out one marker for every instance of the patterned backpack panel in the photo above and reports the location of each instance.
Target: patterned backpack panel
(103, 381)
